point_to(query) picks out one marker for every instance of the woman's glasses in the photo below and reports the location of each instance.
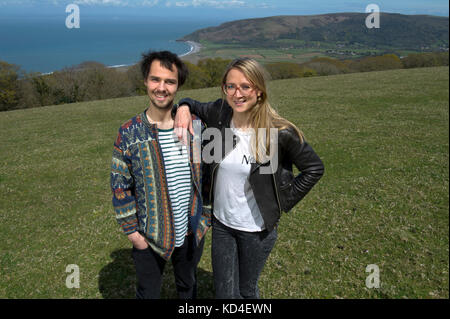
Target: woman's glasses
(230, 89)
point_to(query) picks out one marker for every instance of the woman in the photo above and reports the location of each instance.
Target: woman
(247, 200)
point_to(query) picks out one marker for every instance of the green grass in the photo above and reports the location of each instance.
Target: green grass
(383, 200)
(263, 55)
(288, 50)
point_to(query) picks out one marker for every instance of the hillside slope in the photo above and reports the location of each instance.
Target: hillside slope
(384, 140)
(396, 30)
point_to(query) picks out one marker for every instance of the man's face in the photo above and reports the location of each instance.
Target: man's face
(162, 85)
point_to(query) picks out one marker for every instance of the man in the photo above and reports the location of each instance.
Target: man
(157, 186)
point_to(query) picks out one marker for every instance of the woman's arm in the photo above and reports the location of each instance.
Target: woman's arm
(302, 155)
(186, 107)
(205, 111)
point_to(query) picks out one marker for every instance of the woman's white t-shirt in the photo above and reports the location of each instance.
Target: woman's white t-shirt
(234, 202)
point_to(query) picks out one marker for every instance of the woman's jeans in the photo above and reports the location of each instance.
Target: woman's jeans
(238, 258)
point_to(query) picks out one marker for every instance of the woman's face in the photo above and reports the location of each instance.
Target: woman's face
(241, 95)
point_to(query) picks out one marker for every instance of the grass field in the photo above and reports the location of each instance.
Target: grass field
(384, 198)
(286, 51)
(263, 55)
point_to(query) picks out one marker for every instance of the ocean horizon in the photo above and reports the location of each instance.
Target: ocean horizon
(45, 44)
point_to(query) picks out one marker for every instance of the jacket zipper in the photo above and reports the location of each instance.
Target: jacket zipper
(274, 184)
(276, 193)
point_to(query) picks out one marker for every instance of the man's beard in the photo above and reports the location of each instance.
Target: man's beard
(165, 106)
(157, 104)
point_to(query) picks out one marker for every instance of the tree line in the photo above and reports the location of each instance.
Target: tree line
(94, 81)
(329, 66)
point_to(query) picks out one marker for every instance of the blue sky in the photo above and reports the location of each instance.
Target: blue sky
(226, 9)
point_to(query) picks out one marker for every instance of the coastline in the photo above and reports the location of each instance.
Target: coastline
(195, 47)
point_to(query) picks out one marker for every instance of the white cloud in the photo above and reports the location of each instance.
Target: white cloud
(217, 4)
(182, 4)
(122, 3)
(209, 3)
(147, 3)
(101, 2)
(16, 2)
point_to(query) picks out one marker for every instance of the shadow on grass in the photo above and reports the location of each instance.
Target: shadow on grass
(117, 280)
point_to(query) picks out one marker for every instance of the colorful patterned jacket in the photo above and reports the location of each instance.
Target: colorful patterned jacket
(140, 194)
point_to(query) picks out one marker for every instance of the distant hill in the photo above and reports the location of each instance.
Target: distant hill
(409, 32)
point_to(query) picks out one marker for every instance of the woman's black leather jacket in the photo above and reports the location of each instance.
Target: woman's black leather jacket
(276, 192)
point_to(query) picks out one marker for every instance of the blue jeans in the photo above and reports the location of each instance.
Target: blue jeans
(238, 257)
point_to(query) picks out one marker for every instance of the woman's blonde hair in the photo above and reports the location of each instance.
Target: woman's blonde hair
(262, 115)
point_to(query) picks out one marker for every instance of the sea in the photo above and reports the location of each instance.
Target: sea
(45, 44)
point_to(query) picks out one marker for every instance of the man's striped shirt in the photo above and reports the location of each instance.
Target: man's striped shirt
(176, 161)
